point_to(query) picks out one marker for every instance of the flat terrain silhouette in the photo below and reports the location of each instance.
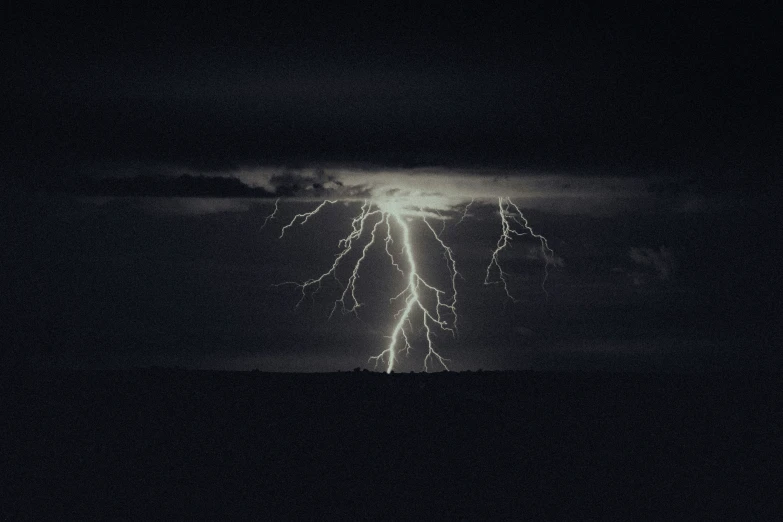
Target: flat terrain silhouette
(175, 443)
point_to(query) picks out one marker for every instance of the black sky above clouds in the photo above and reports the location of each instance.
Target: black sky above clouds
(633, 89)
(144, 146)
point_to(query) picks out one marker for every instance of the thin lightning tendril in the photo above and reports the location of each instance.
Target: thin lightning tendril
(511, 215)
(304, 217)
(465, 211)
(272, 215)
(388, 241)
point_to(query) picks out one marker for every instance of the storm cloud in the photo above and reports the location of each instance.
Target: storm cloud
(147, 148)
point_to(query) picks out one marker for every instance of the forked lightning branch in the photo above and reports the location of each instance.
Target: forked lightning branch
(384, 224)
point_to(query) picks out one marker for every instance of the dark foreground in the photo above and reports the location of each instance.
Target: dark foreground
(183, 444)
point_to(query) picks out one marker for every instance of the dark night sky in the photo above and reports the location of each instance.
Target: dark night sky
(643, 142)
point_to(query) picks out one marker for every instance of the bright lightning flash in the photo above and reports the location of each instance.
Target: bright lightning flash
(432, 307)
(435, 307)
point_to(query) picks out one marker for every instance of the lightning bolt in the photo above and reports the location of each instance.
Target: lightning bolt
(435, 308)
(305, 217)
(465, 211)
(272, 215)
(423, 303)
(512, 220)
(412, 295)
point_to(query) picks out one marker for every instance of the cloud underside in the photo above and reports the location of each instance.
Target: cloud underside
(440, 189)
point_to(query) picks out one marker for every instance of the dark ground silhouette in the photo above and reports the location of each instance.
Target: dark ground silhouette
(177, 444)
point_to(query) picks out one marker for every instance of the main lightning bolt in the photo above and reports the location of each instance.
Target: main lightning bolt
(433, 307)
(436, 308)
(511, 215)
